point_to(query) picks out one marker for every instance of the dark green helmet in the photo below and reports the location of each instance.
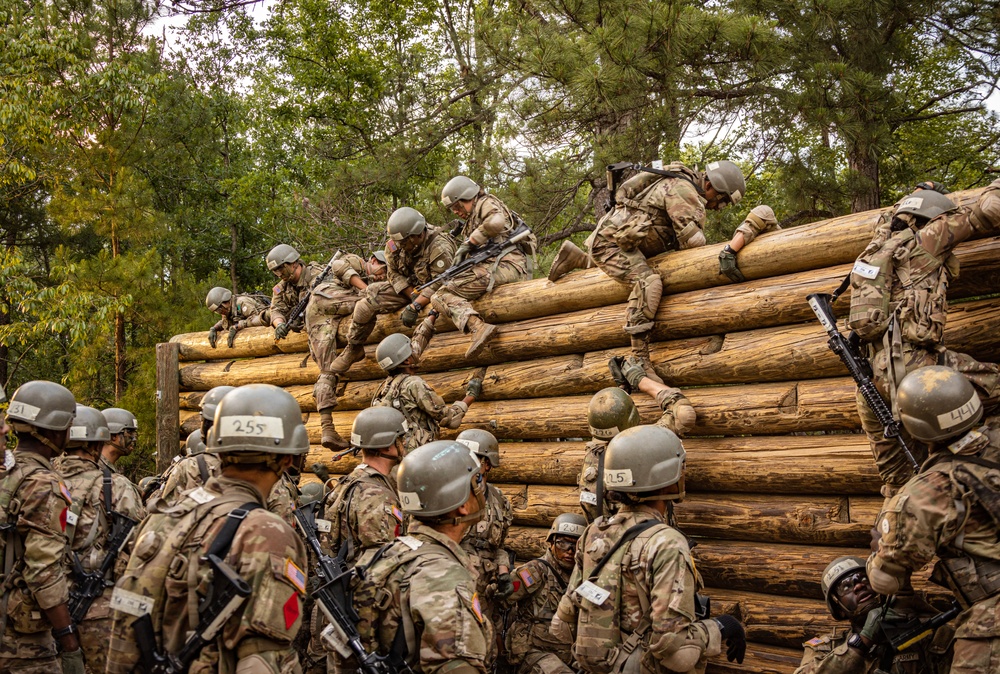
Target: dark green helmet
(258, 418)
(458, 188)
(926, 204)
(642, 459)
(567, 524)
(281, 254)
(610, 412)
(393, 350)
(437, 478)
(88, 426)
(120, 420)
(727, 178)
(482, 443)
(195, 443)
(834, 571)
(210, 401)
(42, 404)
(377, 427)
(216, 296)
(936, 403)
(405, 222)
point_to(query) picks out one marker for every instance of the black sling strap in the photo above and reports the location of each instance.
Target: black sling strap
(224, 539)
(202, 468)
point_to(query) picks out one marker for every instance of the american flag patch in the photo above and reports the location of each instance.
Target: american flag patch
(295, 575)
(397, 513)
(818, 641)
(477, 608)
(526, 576)
(65, 493)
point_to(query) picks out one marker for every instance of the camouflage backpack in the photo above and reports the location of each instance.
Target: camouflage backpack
(11, 545)
(157, 580)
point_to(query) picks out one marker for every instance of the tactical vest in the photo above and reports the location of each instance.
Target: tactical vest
(922, 306)
(340, 513)
(12, 552)
(422, 428)
(600, 646)
(530, 629)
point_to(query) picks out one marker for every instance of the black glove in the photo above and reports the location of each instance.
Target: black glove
(213, 337)
(462, 252)
(728, 266)
(932, 185)
(475, 389)
(231, 339)
(615, 365)
(281, 330)
(735, 637)
(505, 586)
(410, 315)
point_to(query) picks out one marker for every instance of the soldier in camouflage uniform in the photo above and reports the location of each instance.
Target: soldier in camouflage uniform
(34, 503)
(760, 220)
(195, 469)
(862, 648)
(243, 311)
(653, 214)
(417, 253)
(538, 587)
(901, 323)
(948, 510)
(611, 411)
(124, 428)
(169, 572)
(88, 524)
(487, 220)
(484, 542)
(620, 614)
(418, 602)
(329, 303)
(424, 410)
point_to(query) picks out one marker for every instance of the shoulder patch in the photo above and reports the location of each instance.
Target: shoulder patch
(295, 575)
(276, 289)
(65, 492)
(410, 542)
(817, 641)
(439, 264)
(477, 608)
(525, 574)
(397, 513)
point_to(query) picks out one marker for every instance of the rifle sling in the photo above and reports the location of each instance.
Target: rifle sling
(600, 481)
(630, 533)
(202, 468)
(562, 585)
(224, 539)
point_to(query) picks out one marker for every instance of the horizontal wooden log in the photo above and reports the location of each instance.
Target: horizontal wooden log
(760, 409)
(807, 247)
(772, 619)
(769, 354)
(760, 659)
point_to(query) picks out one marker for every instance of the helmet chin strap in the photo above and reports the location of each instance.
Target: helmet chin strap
(33, 432)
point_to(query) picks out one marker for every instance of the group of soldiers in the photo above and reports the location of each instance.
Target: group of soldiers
(404, 564)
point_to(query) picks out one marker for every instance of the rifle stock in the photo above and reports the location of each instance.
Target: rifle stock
(861, 372)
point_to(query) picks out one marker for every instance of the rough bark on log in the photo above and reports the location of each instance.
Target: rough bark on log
(761, 409)
(775, 620)
(767, 354)
(807, 247)
(760, 659)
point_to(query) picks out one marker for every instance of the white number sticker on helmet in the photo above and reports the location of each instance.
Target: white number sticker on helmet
(621, 477)
(247, 426)
(356, 439)
(23, 411)
(957, 416)
(911, 202)
(471, 444)
(410, 500)
(78, 433)
(604, 433)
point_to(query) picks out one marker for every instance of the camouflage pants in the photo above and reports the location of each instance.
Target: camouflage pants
(454, 297)
(631, 268)
(327, 307)
(28, 653)
(540, 662)
(377, 298)
(974, 656)
(893, 466)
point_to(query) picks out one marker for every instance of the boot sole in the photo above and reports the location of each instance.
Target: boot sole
(481, 341)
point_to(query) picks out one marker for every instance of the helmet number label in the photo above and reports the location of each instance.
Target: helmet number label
(588, 497)
(621, 477)
(410, 501)
(958, 416)
(78, 433)
(247, 426)
(19, 410)
(471, 444)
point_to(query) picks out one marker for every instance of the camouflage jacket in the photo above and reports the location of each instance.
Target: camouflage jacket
(485, 539)
(587, 481)
(538, 587)
(362, 508)
(189, 473)
(423, 579)
(655, 213)
(491, 221)
(245, 311)
(937, 513)
(409, 270)
(753, 226)
(656, 579)
(266, 553)
(425, 411)
(283, 498)
(36, 501)
(286, 295)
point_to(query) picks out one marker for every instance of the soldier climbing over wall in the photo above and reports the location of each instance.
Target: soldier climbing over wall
(239, 312)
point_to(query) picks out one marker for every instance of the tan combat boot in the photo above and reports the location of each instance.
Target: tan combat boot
(640, 349)
(481, 332)
(422, 336)
(568, 258)
(350, 355)
(684, 416)
(331, 438)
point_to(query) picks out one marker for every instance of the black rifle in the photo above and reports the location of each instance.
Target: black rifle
(301, 306)
(861, 372)
(333, 578)
(903, 636)
(478, 255)
(89, 586)
(225, 596)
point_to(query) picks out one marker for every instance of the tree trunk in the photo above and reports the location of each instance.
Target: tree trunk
(863, 163)
(121, 364)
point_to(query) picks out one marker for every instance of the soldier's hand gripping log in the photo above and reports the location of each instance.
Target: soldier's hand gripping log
(861, 372)
(304, 302)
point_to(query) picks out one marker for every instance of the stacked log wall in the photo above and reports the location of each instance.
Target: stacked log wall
(780, 479)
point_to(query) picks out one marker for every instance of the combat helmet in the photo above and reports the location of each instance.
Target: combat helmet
(120, 420)
(88, 426)
(727, 178)
(936, 403)
(643, 459)
(567, 524)
(310, 493)
(393, 350)
(195, 443)
(436, 478)
(210, 401)
(926, 204)
(379, 255)
(216, 296)
(458, 188)
(482, 443)
(405, 222)
(377, 427)
(281, 254)
(832, 575)
(42, 404)
(258, 419)
(610, 412)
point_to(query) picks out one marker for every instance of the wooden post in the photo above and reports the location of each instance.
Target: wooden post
(168, 423)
